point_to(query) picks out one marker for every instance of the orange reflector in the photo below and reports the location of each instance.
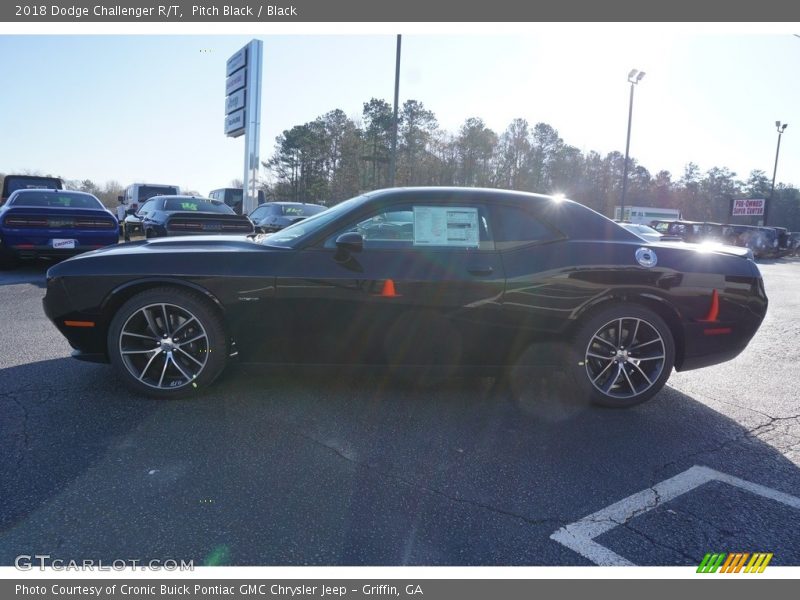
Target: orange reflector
(718, 331)
(713, 311)
(79, 323)
(388, 289)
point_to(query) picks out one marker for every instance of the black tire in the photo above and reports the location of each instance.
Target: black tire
(170, 366)
(149, 234)
(618, 371)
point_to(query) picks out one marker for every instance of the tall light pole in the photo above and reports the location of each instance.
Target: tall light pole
(780, 129)
(634, 77)
(393, 157)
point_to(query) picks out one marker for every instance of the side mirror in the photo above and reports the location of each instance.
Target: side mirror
(120, 199)
(350, 242)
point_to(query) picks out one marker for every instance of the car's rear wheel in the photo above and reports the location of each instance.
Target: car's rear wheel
(167, 343)
(621, 356)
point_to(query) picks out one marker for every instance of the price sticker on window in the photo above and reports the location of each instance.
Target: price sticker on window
(450, 226)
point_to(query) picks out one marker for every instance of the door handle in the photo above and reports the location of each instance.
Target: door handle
(480, 270)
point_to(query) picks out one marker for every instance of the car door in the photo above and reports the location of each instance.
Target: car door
(422, 290)
(539, 293)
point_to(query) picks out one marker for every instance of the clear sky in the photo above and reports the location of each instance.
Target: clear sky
(150, 108)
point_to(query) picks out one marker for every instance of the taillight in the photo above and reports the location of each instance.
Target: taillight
(13, 221)
(236, 227)
(95, 224)
(186, 225)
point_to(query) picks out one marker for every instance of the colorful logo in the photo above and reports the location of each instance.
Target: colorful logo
(733, 562)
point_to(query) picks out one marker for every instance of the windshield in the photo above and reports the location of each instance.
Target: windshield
(293, 235)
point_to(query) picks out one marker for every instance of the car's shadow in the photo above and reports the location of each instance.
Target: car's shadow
(344, 468)
(27, 271)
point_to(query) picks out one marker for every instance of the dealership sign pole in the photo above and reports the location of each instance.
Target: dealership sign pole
(243, 112)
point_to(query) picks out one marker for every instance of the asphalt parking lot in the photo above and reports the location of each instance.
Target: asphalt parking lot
(279, 469)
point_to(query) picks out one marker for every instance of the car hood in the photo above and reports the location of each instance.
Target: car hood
(194, 243)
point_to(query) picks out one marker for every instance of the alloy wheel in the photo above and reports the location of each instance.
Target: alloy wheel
(164, 346)
(625, 357)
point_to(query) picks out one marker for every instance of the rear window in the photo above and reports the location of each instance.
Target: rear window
(301, 210)
(11, 184)
(51, 200)
(148, 191)
(196, 205)
(233, 197)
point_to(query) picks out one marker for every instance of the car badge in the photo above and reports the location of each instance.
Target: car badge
(646, 257)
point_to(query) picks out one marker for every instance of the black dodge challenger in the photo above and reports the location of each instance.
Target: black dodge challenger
(467, 280)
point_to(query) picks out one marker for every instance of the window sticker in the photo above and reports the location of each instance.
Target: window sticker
(452, 226)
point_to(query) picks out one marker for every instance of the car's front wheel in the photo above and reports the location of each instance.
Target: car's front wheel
(621, 355)
(167, 342)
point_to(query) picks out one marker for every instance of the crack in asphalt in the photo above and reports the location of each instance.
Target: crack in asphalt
(427, 489)
(752, 433)
(692, 560)
(26, 440)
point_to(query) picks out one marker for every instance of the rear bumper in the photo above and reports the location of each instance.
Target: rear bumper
(47, 252)
(707, 344)
(41, 244)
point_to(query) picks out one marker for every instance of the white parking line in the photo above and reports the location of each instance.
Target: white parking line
(579, 536)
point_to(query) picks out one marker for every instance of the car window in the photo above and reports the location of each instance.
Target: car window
(12, 183)
(148, 206)
(56, 200)
(148, 191)
(423, 225)
(196, 205)
(301, 210)
(678, 229)
(259, 213)
(516, 227)
(661, 227)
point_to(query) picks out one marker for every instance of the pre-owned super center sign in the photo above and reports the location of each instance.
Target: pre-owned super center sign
(748, 207)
